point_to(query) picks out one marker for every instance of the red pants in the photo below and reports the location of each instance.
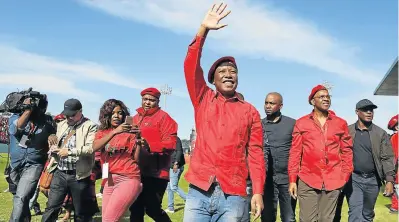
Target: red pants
(118, 197)
(394, 204)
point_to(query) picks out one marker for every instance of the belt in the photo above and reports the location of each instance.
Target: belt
(365, 175)
(69, 172)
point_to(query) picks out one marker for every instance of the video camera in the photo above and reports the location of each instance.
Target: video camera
(14, 101)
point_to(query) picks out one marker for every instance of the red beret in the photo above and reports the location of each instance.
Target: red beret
(151, 91)
(216, 64)
(392, 123)
(59, 117)
(314, 91)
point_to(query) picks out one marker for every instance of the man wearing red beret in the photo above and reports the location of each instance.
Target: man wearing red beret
(227, 128)
(158, 131)
(393, 125)
(320, 159)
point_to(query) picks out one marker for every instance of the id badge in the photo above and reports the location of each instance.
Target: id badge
(105, 171)
(22, 142)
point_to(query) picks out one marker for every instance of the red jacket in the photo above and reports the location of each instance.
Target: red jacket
(225, 130)
(321, 154)
(160, 131)
(394, 141)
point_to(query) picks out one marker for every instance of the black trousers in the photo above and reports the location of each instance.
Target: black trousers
(82, 198)
(277, 194)
(150, 201)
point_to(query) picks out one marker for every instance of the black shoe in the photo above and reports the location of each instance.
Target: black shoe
(393, 211)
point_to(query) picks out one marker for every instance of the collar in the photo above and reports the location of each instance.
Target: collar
(142, 112)
(234, 98)
(368, 129)
(278, 120)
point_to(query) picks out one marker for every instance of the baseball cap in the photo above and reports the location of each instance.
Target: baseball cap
(71, 107)
(365, 103)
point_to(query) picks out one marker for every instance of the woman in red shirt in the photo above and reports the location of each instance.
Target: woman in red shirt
(119, 158)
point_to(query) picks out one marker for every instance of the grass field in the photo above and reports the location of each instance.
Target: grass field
(381, 209)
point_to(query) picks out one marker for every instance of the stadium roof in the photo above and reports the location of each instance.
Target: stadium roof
(389, 84)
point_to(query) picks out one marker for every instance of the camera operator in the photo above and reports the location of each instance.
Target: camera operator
(28, 152)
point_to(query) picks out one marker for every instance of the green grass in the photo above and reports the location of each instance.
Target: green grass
(381, 210)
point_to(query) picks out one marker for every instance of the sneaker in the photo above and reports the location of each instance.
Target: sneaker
(393, 211)
(99, 195)
(169, 210)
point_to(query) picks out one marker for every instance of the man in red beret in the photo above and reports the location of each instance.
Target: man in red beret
(159, 133)
(227, 128)
(320, 159)
(393, 125)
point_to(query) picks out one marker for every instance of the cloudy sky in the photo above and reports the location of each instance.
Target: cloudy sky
(94, 50)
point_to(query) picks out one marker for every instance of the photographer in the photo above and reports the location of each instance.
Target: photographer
(28, 152)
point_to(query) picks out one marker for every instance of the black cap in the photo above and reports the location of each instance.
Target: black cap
(365, 103)
(71, 107)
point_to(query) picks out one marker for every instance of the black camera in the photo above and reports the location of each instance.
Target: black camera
(37, 100)
(14, 102)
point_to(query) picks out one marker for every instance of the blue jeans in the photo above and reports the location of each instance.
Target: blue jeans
(26, 179)
(33, 201)
(213, 205)
(362, 193)
(173, 187)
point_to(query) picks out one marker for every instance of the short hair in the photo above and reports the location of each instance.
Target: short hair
(276, 94)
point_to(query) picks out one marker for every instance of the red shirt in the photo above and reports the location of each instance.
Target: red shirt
(120, 162)
(160, 131)
(226, 128)
(394, 141)
(321, 155)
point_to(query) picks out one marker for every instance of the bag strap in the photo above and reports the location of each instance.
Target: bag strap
(70, 134)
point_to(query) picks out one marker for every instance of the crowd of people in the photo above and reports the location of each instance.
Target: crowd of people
(241, 164)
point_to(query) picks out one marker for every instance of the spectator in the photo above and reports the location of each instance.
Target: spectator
(176, 170)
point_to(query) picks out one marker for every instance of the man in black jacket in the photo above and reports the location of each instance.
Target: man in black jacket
(176, 170)
(373, 162)
(277, 135)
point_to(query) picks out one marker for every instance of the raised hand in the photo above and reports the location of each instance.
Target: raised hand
(214, 15)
